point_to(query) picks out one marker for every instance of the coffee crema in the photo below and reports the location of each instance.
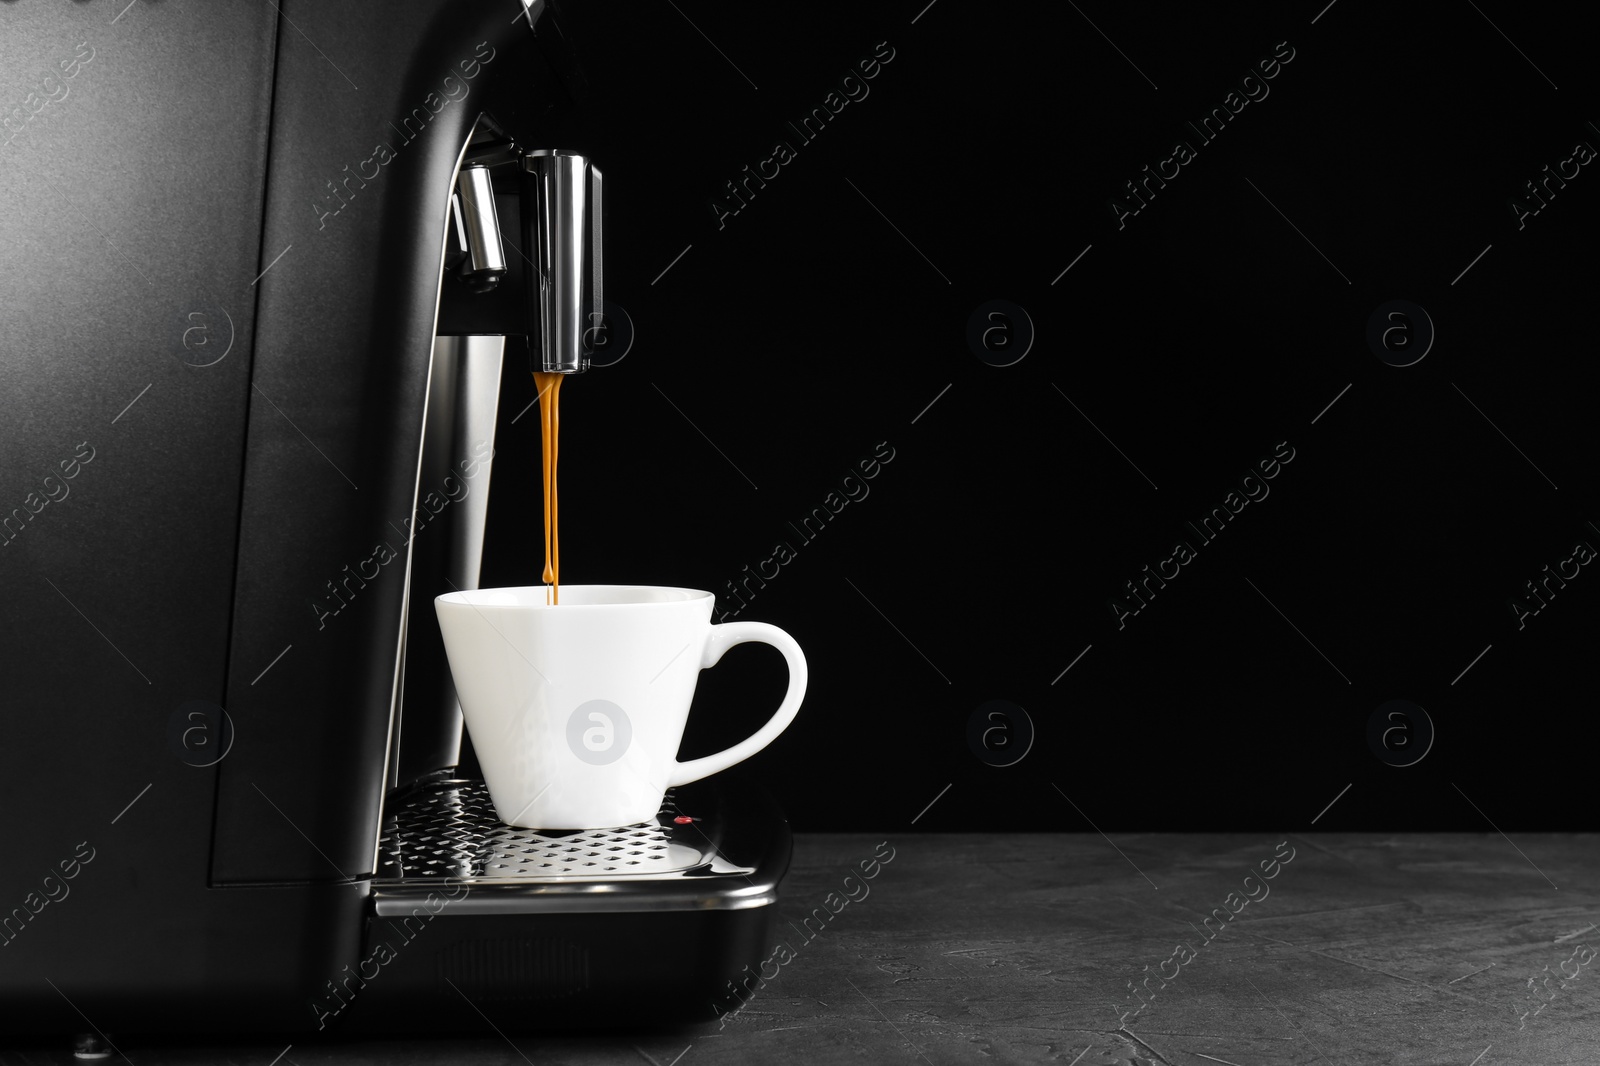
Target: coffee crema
(549, 386)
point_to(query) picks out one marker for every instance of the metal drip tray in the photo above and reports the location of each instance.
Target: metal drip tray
(445, 834)
(451, 830)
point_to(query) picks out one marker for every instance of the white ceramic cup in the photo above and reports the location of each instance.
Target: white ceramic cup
(576, 710)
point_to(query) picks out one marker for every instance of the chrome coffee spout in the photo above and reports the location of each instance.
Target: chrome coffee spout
(561, 229)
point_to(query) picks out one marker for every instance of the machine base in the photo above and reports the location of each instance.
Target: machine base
(473, 922)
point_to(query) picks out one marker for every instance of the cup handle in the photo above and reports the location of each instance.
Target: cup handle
(722, 638)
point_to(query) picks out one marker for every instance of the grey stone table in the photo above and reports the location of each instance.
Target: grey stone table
(1240, 949)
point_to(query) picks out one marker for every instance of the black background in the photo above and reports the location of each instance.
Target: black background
(777, 350)
(1222, 319)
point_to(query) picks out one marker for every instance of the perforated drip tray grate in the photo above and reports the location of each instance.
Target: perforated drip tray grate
(444, 835)
(450, 830)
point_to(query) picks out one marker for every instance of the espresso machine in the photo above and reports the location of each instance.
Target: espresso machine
(241, 792)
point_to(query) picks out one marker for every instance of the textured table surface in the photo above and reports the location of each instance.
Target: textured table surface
(1361, 948)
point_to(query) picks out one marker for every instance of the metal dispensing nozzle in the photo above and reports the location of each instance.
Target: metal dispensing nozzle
(561, 230)
(483, 259)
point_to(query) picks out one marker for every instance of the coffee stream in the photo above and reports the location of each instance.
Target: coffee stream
(549, 386)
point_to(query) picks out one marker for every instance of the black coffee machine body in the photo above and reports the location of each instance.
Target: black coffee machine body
(266, 268)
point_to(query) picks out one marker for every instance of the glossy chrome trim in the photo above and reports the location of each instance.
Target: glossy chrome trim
(559, 232)
(709, 894)
(479, 228)
(391, 751)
